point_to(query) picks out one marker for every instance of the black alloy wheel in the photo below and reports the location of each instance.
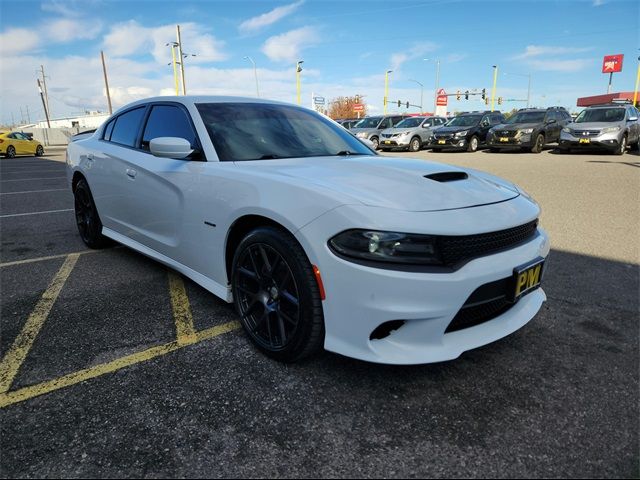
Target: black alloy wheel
(277, 296)
(39, 151)
(11, 152)
(87, 218)
(539, 144)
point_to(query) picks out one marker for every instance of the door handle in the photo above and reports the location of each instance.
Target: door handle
(131, 173)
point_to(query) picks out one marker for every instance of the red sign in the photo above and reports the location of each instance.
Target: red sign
(612, 63)
(442, 92)
(442, 100)
(358, 107)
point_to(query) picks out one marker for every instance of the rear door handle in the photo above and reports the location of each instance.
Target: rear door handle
(131, 173)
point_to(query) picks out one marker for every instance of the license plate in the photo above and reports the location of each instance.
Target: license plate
(527, 278)
(387, 141)
(442, 142)
(585, 140)
(504, 139)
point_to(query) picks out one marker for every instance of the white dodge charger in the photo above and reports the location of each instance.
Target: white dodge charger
(317, 240)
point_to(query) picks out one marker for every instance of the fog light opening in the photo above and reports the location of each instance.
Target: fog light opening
(384, 330)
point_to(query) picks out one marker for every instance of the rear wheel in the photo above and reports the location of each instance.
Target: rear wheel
(277, 296)
(473, 144)
(87, 218)
(11, 152)
(415, 144)
(376, 143)
(622, 146)
(539, 144)
(39, 151)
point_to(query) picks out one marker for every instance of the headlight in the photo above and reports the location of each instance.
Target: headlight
(610, 129)
(526, 131)
(389, 247)
(567, 130)
(405, 133)
(462, 134)
(362, 134)
(525, 194)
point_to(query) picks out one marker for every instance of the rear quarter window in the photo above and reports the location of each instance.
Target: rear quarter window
(126, 128)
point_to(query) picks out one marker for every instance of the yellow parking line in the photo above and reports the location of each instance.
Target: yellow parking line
(181, 310)
(51, 257)
(27, 393)
(22, 344)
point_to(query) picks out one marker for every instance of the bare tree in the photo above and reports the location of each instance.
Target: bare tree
(342, 107)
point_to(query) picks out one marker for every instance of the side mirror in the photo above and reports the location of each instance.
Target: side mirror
(553, 120)
(633, 119)
(170, 147)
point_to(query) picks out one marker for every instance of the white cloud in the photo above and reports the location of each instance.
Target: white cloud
(597, 3)
(66, 30)
(416, 51)
(66, 9)
(259, 22)
(560, 65)
(18, 40)
(532, 51)
(131, 38)
(288, 46)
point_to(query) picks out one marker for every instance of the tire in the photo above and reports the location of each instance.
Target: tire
(11, 152)
(636, 146)
(87, 218)
(539, 144)
(415, 144)
(277, 296)
(376, 143)
(39, 151)
(472, 146)
(622, 147)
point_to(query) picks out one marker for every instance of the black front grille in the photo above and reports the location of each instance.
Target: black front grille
(507, 133)
(457, 249)
(469, 317)
(442, 136)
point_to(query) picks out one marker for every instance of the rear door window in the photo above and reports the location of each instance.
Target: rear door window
(168, 121)
(125, 131)
(108, 129)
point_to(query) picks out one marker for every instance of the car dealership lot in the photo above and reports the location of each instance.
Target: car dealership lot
(132, 371)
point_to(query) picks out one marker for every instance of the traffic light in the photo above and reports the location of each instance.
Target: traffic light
(466, 95)
(484, 94)
(458, 95)
(499, 100)
(486, 100)
(407, 104)
(399, 103)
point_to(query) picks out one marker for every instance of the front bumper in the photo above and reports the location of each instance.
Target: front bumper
(448, 143)
(517, 140)
(395, 142)
(606, 141)
(360, 298)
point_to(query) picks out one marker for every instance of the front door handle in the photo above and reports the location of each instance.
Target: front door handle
(131, 173)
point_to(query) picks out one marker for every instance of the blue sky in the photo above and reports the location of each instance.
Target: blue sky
(346, 47)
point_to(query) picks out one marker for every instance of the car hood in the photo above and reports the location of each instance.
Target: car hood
(593, 125)
(396, 183)
(392, 131)
(455, 129)
(368, 130)
(515, 126)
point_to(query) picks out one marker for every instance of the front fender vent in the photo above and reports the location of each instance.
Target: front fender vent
(447, 176)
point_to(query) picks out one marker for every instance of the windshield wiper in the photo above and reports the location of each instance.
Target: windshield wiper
(268, 157)
(345, 153)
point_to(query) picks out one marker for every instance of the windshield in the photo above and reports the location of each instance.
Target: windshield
(526, 117)
(410, 122)
(464, 121)
(369, 122)
(259, 131)
(601, 115)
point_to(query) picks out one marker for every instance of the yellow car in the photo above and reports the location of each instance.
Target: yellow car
(16, 143)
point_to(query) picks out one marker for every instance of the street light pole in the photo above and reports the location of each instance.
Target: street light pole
(298, 70)
(386, 90)
(255, 74)
(495, 82)
(181, 56)
(421, 92)
(435, 92)
(635, 92)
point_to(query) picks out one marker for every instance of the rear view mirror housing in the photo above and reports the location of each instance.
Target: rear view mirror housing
(170, 147)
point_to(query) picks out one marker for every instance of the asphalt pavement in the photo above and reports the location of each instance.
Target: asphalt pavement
(105, 373)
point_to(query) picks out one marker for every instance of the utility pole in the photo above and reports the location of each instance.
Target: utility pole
(13, 121)
(176, 80)
(44, 104)
(46, 94)
(28, 116)
(21, 116)
(184, 85)
(298, 70)
(635, 91)
(106, 82)
(493, 90)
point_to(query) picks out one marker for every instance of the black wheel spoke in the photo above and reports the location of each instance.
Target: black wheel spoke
(254, 264)
(274, 266)
(283, 335)
(248, 273)
(265, 259)
(289, 298)
(287, 318)
(285, 279)
(246, 291)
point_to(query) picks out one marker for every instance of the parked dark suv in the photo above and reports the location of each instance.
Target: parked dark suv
(530, 129)
(467, 131)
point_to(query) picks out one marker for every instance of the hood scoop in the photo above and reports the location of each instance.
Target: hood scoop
(443, 177)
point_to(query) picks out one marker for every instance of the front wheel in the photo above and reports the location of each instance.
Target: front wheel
(277, 296)
(87, 218)
(539, 144)
(473, 144)
(622, 146)
(376, 143)
(415, 144)
(39, 151)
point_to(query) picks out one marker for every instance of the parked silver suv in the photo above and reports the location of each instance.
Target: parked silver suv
(411, 133)
(612, 127)
(369, 128)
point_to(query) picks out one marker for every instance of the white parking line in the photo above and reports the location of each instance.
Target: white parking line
(36, 191)
(30, 170)
(27, 179)
(36, 213)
